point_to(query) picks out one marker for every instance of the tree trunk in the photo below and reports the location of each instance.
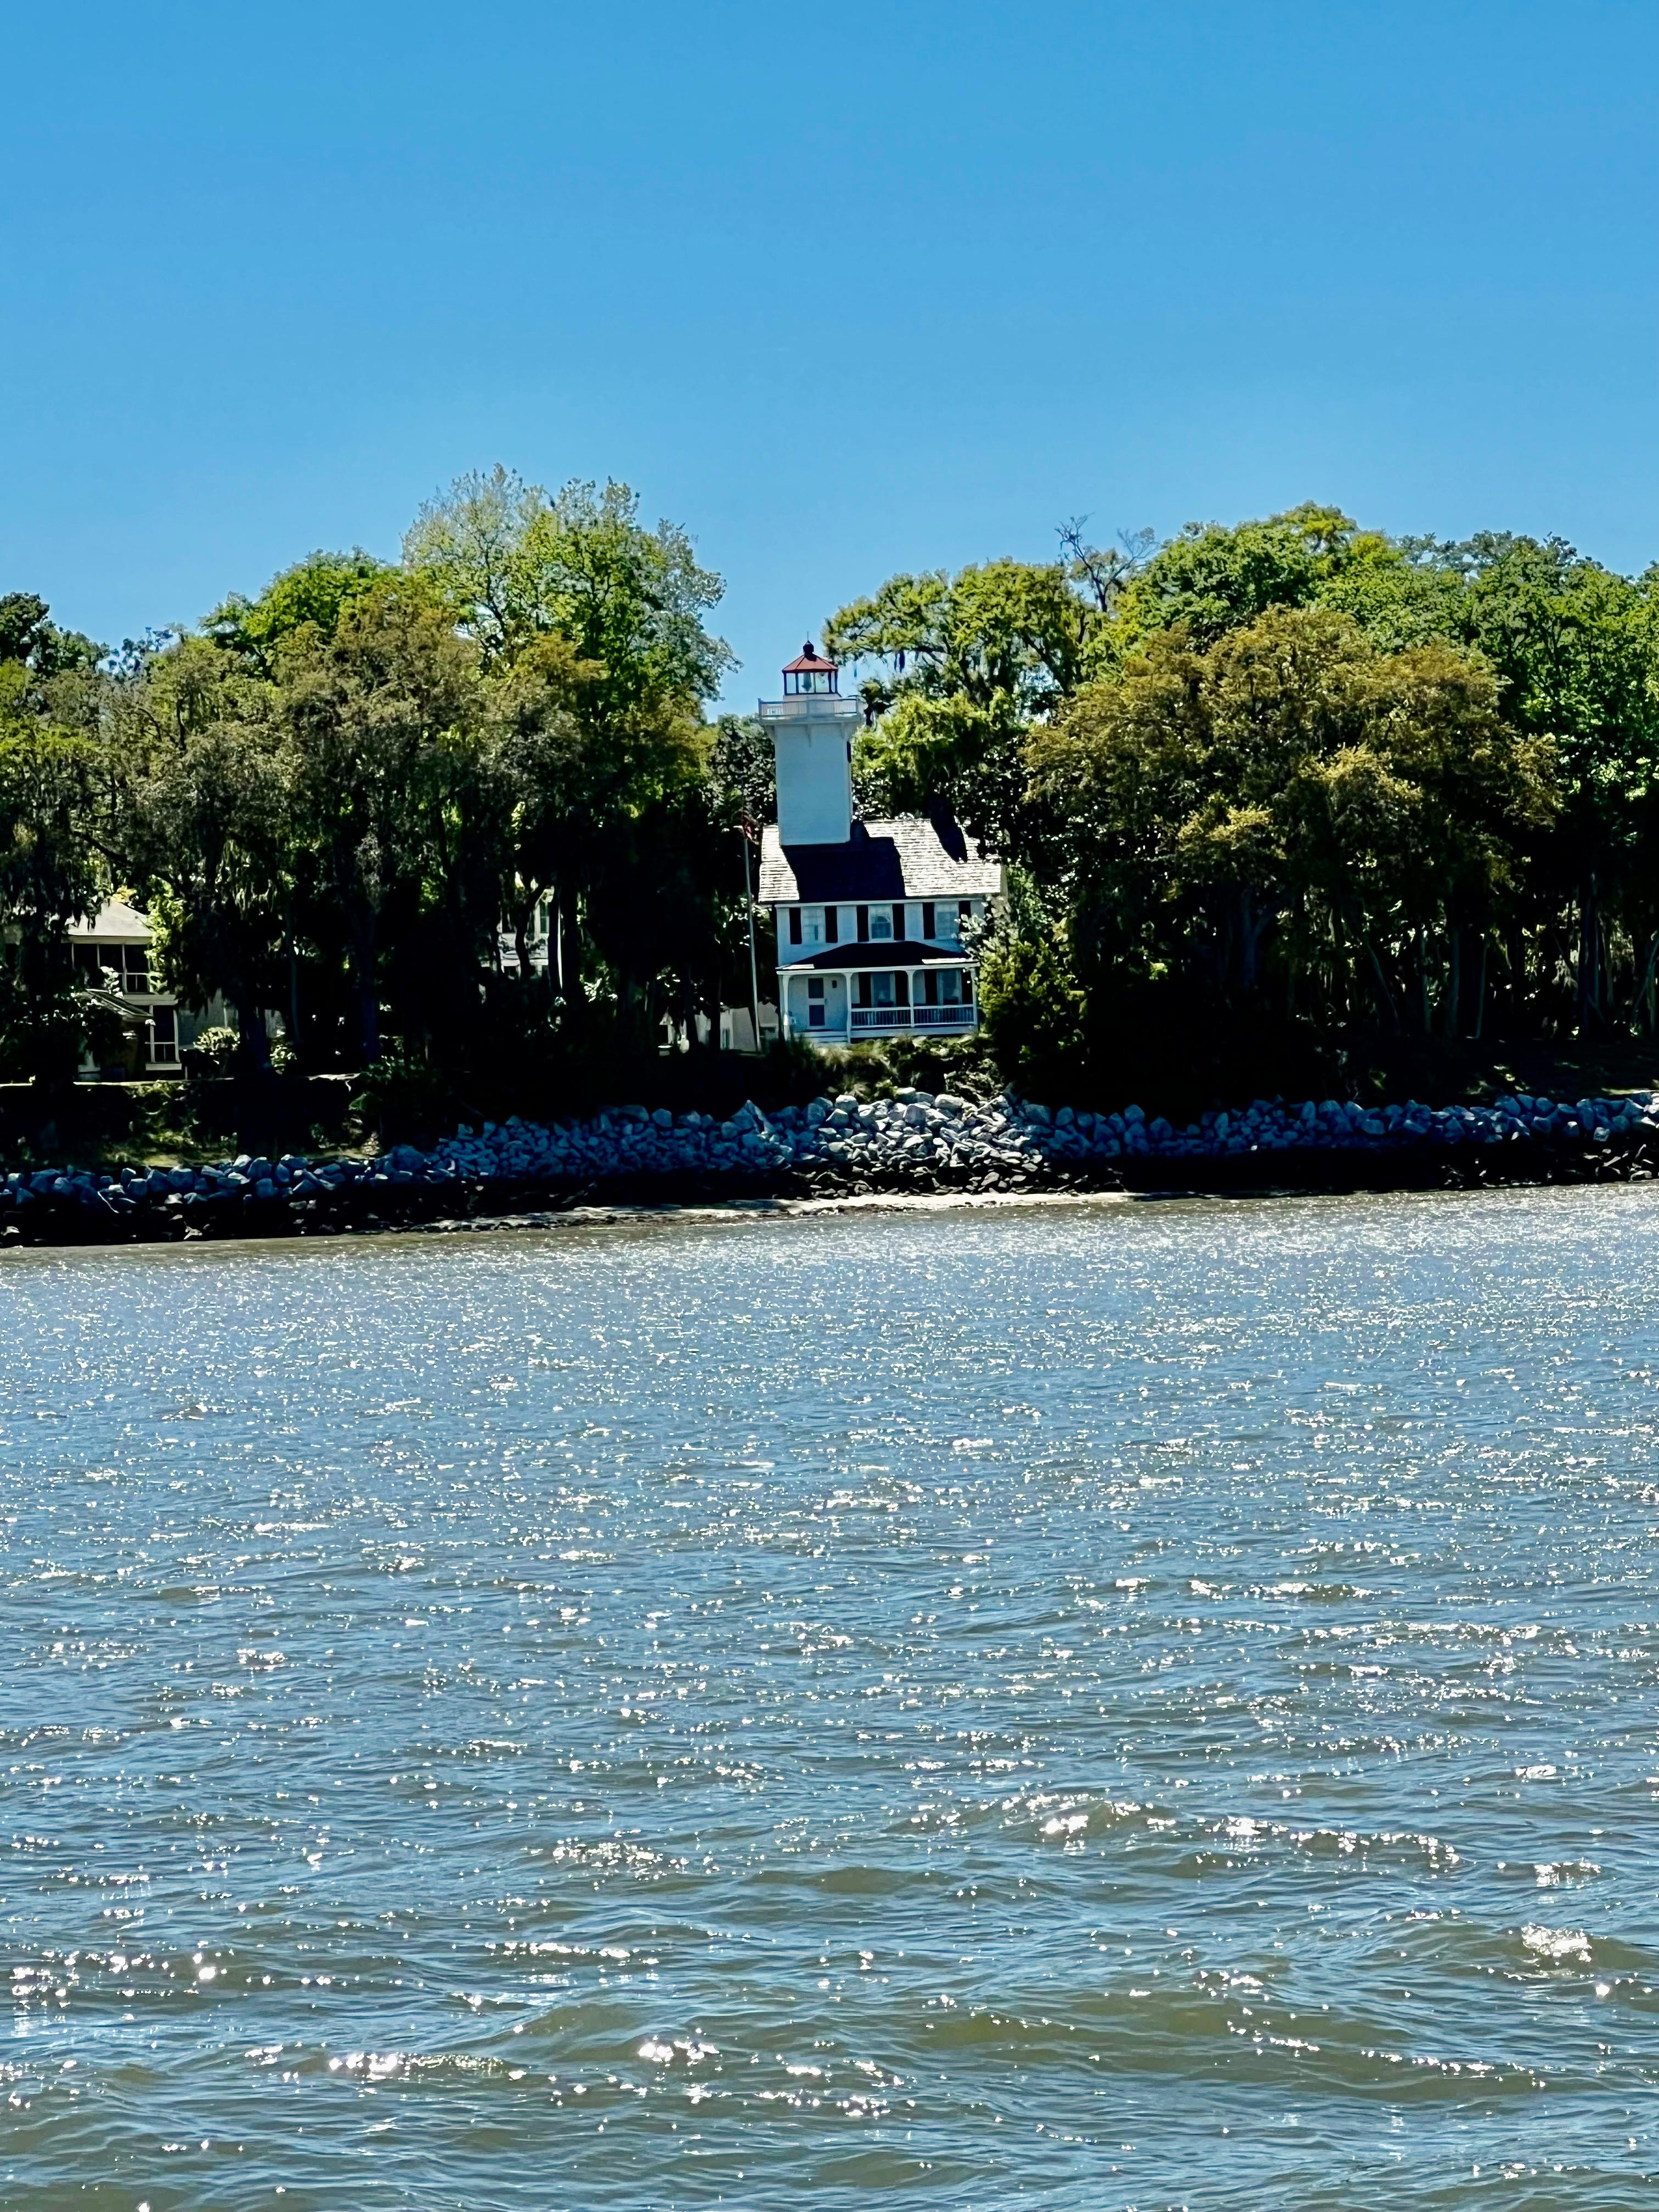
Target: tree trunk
(1252, 925)
(1517, 964)
(1480, 988)
(570, 945)
(365, 993)
(255, 1038)
(1642, 1006)
(1387, 997)
(1589, 958)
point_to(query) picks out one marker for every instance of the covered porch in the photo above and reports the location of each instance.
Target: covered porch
(834, 997)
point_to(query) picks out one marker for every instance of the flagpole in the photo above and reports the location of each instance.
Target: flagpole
(754, 973)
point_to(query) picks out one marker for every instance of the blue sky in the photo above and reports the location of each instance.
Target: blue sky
(843, 290)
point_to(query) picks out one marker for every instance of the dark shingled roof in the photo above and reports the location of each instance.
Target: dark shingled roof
(876, 952)
(914, 856)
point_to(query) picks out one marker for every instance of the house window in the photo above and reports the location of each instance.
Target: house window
(815, 1002)
(927, 918)
(794, 925)
(815, 927)
(890, 990)
(163, 1037)
(881, 925)
(831, 925)
(864, 926)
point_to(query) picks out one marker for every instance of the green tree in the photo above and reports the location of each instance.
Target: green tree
(31, 641)
(597, 663)
(577, 770)
(1030, 1002)
(664, 899)
(1293, 819)
(312, 595)
(1208, 580)
(743, 767)
(381, 725)
(1574, 647)
(516, 565)
(50, 875)
(967, 666)
(1211, 578)
(208, 828)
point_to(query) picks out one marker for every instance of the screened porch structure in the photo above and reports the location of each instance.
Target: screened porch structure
(854, 991)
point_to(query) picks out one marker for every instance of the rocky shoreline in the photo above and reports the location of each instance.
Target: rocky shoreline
(913, 1143)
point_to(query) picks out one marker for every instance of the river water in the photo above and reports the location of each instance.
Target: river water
(1101, 1705)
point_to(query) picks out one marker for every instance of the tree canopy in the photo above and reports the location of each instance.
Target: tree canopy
(1286, 771)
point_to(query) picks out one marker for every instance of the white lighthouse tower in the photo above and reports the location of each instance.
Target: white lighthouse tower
(875, 919)
(811, 729)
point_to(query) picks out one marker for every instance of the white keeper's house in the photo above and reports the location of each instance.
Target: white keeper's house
(870, 915)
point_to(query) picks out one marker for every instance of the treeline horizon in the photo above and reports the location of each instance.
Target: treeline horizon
(1262, 787)
(1272, 787)
(333, 799)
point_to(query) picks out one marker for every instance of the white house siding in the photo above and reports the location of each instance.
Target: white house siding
(115, 942)
(884, 933)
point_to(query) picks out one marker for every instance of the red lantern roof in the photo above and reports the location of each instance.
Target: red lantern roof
(810, 663)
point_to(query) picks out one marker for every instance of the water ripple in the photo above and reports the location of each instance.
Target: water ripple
(1112, 1707)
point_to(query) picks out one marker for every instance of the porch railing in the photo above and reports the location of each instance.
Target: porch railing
(912, 1018)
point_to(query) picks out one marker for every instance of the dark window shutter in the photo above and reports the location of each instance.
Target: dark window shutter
(927, 920)
(831, 924)
(794, 925)
(898, 921)
(863, 924)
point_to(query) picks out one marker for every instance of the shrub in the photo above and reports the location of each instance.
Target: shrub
(215, 1051)
(1031, 1004)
